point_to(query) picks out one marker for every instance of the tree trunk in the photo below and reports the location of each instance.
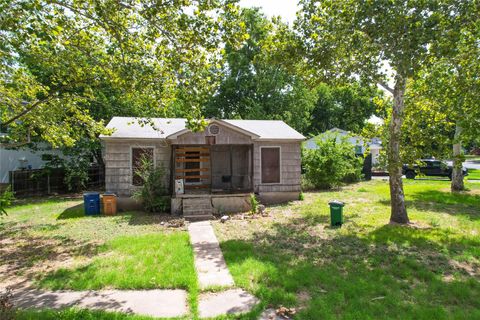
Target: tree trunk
(457, 172)
(397, 196)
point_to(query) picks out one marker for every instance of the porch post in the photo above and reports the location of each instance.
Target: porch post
(172, 171)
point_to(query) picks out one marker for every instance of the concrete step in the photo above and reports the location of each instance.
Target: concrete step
(199, 206)
(199, 217)
(197, 212)
(197, 202)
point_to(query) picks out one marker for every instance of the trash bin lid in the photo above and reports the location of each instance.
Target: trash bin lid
(109, 193)
(337, 202)
(91, 194)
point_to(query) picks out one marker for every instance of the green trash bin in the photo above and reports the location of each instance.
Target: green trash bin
(336, 213)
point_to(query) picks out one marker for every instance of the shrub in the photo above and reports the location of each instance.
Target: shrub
(152, 193)
(6, 199)
(332, 163)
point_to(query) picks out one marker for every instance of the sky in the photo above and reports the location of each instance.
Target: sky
(284, 8)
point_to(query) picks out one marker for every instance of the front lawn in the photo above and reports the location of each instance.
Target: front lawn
(367, 269)
(132, 262)
(50, 244)
(473, 174)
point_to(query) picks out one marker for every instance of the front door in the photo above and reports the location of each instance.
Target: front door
(192, 165)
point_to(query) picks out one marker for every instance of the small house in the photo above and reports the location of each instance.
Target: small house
(360, 144)
(215, 170)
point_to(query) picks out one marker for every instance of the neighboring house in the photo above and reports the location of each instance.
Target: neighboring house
(213, 170)
(358, 142)
(22, 158)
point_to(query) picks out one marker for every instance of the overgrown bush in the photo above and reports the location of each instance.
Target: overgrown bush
(152, 193)
(332, 163)
(75, 168)
(6, 199)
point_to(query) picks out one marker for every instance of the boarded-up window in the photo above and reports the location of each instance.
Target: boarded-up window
(270, 165)
(137, 155)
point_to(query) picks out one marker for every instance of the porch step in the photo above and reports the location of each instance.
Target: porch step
(197, 207)
(198, 217)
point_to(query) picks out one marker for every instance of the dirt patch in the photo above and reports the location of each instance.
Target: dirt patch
(24, 258)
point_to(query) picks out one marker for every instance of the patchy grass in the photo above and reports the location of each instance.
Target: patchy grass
(367, 269)
(51, 244)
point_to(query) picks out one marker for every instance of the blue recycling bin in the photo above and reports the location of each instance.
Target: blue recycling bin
(91, 203)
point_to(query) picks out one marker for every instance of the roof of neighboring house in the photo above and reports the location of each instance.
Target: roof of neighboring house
(165, 128)
(375, 143)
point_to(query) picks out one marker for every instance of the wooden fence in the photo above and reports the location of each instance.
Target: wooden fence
(37, 182)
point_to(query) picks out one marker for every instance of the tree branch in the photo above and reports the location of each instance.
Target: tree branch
(385, 86)
(24, 112)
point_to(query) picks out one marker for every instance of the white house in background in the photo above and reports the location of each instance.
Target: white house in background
(360, 144)
(22, 158)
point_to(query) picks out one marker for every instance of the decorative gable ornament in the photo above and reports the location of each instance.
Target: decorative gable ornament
(213, 129)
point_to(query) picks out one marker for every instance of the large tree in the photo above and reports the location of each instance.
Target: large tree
(344, 106)
(367, 39)
(67, 65)
(260, 80)
(444, 104)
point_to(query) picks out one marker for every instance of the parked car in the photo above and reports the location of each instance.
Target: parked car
(430, 168)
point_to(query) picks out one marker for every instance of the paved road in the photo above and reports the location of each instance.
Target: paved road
(469, 164)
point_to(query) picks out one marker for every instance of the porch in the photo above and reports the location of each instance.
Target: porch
(211, 169)
(209, 179)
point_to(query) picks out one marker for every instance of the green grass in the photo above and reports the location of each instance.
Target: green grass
(367, 269)
(132, 262)
(76, 314)
(51, 244)
(473, 174)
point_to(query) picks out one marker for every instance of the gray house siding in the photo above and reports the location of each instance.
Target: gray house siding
(118, 171)
(290, 172)
(225, 136)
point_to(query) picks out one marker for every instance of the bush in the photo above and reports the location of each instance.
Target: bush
(152, 193)
(332, 163)
(6, 199)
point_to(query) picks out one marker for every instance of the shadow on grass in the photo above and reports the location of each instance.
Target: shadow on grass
(134, 217)
(392, 271)
(22, 253)
(444, 202)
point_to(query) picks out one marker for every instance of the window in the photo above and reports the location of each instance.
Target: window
(137, 155)
(270, 164)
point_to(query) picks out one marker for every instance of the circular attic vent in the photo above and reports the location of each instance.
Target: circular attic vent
(213, 129)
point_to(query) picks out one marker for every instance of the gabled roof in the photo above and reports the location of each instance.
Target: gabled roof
(170, 128)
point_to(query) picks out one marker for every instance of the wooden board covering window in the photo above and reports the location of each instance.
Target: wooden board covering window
(270, 165)
(137, 155)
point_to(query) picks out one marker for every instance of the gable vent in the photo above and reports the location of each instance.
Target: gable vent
(213, 129)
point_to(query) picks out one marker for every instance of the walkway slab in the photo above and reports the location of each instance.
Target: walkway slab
(211, 268)
(154, 303)
(233, 301)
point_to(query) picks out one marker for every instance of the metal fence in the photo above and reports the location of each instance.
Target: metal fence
(37, 182)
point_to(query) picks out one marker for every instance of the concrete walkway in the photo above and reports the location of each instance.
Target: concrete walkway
(233, 301)
(211, 268)
(212, 271)
(154, 303)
